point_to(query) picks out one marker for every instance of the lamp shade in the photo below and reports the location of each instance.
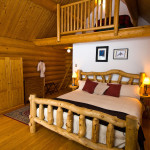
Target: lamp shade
(74, 75)
(146, 81)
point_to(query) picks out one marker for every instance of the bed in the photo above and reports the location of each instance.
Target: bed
(92, 120)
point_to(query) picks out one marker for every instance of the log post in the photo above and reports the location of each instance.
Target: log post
(110, 136)
(59, 119)
(95, 130)
(69, 123)
(58, 22)
(131, 133)
(82, 126)
(32, 123)
(116, 17)
(50, 115)
(142, 76)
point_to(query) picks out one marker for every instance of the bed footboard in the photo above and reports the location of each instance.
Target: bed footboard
(131, 124)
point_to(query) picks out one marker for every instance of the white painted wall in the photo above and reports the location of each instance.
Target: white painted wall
(84, 55)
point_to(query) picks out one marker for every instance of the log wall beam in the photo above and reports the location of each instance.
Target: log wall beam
(142, 31)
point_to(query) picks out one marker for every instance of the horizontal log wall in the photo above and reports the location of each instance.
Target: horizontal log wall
(31, 54)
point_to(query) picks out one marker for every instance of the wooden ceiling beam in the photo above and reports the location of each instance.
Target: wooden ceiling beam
(134, 32)
(133, 10)
(48, 4)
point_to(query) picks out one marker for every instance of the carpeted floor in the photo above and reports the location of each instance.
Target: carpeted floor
(21, 114)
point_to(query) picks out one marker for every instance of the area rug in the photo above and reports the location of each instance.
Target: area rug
(21, 115)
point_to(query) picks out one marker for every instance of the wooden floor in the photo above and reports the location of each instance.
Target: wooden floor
(16, 136)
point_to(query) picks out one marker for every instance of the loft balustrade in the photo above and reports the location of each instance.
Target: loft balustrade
(87, 15)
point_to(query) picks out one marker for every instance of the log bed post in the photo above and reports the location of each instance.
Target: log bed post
(131, 133)
(32, 123)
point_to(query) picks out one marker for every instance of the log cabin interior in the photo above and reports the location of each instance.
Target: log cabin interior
(84, 67)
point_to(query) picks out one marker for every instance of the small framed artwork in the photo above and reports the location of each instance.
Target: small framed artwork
(120, 54)
(102, 54)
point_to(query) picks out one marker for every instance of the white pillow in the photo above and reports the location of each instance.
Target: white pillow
(81, 84)
(130, 91)
(101, 88)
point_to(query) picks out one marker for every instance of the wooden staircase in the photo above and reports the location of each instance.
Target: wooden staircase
(67, 78)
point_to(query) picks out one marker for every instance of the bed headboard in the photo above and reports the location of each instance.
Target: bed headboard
(107, 77)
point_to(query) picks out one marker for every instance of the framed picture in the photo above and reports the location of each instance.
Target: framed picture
(120, 54)
(102, 54)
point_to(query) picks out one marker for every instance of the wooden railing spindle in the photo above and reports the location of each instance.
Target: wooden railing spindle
(95, 130)
(62, 20)
(110, 11)
(78, 17)
(71, 18)
(50, 115)
(93, 6)
(81, 15)
(116, 17)
(74, 17)
(110, 136)
(58, 22)
(119, 79)
(59, 118)
(89, 6)
(41, 112)
(82, 126)
(101, 12)
(97, 14)
(85, 16)
(69, 123)
(68, 25)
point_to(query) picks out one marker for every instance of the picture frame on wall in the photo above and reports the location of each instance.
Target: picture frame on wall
(102, 54)
(120, 54)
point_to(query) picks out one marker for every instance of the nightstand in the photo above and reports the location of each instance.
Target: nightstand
(73, 87)
(146, 101)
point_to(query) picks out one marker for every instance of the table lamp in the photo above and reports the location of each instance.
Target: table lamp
(74, 75)
(146, 82)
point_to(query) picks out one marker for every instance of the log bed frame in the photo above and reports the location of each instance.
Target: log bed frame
(131, 122)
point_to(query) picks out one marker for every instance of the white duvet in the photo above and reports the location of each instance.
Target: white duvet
(127, 105)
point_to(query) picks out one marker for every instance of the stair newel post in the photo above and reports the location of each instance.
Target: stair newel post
(32, 123)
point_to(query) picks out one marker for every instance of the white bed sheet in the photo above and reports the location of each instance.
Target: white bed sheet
(127, 105)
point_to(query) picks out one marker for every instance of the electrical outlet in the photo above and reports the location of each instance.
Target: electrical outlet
(75, 65)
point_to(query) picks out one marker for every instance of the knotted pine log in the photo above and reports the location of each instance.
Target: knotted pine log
(69, 123)
(50, 114)
(82, 126)
(59, 119)
(95, 130)
(110, 136)
(41, 112)
(32, 123)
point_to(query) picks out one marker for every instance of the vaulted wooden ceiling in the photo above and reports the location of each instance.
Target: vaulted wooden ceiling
(32, 19)
(26, 20)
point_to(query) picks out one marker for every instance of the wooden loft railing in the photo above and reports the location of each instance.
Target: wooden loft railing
(80, 16)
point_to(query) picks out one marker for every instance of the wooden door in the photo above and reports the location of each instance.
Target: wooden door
(11, 83)
(16, 82)
(4, 92)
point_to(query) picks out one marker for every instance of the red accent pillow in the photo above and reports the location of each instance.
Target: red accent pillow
(113, 90)
(89, 86)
